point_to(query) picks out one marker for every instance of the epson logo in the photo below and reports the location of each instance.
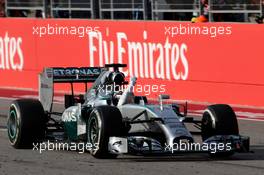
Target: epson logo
(61, 72)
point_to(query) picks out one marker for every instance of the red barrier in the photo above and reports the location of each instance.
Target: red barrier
(212, 62)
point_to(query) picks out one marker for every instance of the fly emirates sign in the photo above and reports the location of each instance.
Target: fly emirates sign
(145, 59)
(11, 55)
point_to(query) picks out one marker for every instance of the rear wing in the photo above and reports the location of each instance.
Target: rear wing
(73, 74)
(49, 76)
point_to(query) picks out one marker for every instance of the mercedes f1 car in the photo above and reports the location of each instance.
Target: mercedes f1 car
(118, 122)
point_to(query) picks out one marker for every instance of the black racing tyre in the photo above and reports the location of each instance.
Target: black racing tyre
(219, 119)
(103, 122)
(25, 123)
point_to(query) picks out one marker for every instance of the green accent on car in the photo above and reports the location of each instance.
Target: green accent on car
(71, 130)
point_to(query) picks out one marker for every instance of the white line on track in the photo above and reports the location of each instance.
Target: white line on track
(3, 129)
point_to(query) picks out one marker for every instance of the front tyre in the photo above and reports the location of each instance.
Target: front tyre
(25, 123)
(219, 119)
(104, 122)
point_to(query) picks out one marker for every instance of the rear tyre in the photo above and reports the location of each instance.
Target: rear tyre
(104, 122)
(219, 119)
(25, 123)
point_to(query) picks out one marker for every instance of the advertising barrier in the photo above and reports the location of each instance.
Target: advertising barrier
(207, 62)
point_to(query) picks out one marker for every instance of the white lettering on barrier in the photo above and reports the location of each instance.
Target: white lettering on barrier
(10, 49)
(145, 59)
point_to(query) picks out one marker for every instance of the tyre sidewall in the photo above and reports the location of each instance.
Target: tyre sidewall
(15, 140)
(109, 121)
(30, 119)
(95, 114)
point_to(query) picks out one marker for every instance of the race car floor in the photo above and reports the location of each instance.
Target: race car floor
(25, 161)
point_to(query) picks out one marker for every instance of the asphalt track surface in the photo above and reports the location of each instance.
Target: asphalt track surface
(13, 161)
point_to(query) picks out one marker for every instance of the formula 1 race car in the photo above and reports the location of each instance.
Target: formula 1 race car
(115, 121)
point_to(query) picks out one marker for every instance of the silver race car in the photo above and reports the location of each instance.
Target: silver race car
(113, 121)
